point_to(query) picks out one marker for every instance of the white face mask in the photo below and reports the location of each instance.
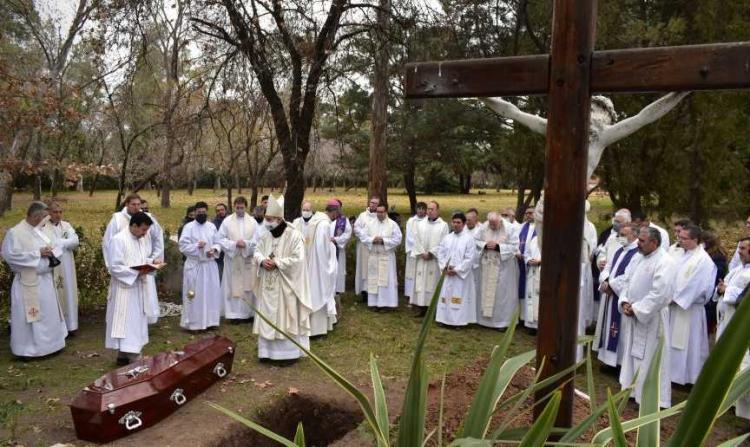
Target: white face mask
(307, 214)
(271, 225)
(622, 240)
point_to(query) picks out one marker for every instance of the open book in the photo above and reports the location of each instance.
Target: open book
(148, 268)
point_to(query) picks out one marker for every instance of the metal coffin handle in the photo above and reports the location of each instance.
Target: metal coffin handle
(178, 396)
(219, 370)
(131, 420)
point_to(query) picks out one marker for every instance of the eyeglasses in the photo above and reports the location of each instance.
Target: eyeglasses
(505, 215)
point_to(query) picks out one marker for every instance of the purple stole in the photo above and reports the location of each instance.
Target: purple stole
(521, 263)
(614, 316)
(338, 230)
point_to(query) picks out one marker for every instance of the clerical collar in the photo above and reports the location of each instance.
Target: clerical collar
(430, 219)
(307, 219)
(279, 230)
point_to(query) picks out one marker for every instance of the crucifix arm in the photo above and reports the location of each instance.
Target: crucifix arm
(507, 110)
(648, 115)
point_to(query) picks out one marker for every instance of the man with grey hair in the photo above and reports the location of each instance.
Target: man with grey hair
(608, 239)
(645, 308)
(497, 296)
(36, 320)
(63, 235)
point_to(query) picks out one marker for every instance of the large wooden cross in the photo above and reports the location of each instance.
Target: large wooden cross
(569, 76)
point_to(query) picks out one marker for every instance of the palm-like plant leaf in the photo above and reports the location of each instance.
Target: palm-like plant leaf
(255, 426)
(411, 424)
(711, 388)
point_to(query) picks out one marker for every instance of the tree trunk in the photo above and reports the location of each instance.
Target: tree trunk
(409, 184)
(6, 191)
(295, 185)
(378, 174)
(229, 193)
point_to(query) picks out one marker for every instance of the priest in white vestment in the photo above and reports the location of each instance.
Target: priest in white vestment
(341, 233)
(127, 300)
(427, 238)
(694, 286)
(533, 258)
(605, 251)
(37, 326)
(64, 236)
(201, 289)
(363, 220)
(410, 268)
(473, 225)
(497, 296)
(382, 237)
(457, 255)
(675, 250)
(237, 237)
(642, 220)
(645, 316)
(119, 222)
(282, 287)
(613, 280)
(587, 308)
(525, 233)
(735, 261)
(320, 257)
(729, 292)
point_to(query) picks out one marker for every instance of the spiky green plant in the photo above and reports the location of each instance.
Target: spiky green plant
(718, 378)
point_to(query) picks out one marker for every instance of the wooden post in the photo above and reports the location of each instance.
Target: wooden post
(565, 177)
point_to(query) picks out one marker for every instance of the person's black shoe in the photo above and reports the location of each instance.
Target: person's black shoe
(122, 360)
(363, 295)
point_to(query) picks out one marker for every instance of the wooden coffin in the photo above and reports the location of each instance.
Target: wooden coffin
(139, 395)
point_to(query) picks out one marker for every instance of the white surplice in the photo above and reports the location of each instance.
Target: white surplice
(736, 281)
(238, 278)
(648, 290)
(457, 306)
(63, 235)
(427, 237)
(410, 268)
(283, 295)
(201, 289)
(497, 295)
(36, 321)
(320, 257)
(127, 300)
(341, 241)
(694, 286)
(617, 283)
(587, 308)
(360, 227)
(533, 275)
(382, 281)
(119, 222)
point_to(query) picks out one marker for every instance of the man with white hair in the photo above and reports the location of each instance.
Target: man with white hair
(381, 237)
(509, 214)
(613, 280)
(320, 256)
(606, 248)
(237, 237)
(63, 235)
(427, 237)
(497, 243)
(282, 287)
(36, 319)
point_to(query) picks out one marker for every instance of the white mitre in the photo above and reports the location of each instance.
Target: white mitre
(275, 207)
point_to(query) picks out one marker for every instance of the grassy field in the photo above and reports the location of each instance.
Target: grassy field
(34, 395)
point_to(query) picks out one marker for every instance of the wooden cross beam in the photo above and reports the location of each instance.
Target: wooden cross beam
(569, 75)
(660, 69)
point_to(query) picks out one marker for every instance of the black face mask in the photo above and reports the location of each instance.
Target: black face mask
(201, 218)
